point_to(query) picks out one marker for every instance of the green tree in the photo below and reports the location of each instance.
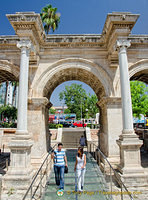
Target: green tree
(139, 94)
(9, 112)
(77, 101)
(67, 111)
(92, 107)
(52, 111)
(50, 18)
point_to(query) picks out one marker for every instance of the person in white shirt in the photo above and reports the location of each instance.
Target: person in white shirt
(80, 168)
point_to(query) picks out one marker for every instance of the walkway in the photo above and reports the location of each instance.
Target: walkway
(94, 186)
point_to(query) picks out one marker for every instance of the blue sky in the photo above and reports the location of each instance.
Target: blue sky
(77, 17)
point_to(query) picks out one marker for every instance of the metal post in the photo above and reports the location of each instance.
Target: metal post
(121, 192)
(111, 180)
(31, 193)
(41, 183)
(46, 169)
(7, 164)
(94, 150)
(99, 159)
(104, 168)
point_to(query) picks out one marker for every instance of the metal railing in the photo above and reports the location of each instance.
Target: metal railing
(110, 175)
(38, 183)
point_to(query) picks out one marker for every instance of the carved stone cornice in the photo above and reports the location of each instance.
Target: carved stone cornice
(117, 25)
(28, 24)
(38, 102)
(105, 101)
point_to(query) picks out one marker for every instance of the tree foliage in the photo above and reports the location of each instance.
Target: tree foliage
(77, 101)
(139, 94)
(50, 18)
(52, 111)
(9, 112)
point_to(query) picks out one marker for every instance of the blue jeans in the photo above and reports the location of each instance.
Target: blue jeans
(59, 176)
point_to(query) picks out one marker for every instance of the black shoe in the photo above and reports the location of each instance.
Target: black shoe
(81, 187)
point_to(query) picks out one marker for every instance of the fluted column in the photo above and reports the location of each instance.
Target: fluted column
(25, 46)
(122, 46)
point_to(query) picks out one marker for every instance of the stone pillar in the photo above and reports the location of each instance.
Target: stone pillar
(125, 87)
(110, 127)
(130, 170)
(25, 46)
(20, 172)
(38, 115)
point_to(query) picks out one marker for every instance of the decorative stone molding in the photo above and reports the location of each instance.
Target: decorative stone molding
(27, 21)
(38, 103)
(109, 101)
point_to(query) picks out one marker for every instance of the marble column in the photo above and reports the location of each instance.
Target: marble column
(20, 173)
(125, 86)
(130, 170)
(25, 46)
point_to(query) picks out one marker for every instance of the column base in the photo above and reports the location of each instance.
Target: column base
(129, 169)
(19, 175)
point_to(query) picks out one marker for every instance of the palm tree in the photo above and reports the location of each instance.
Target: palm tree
(50, 18)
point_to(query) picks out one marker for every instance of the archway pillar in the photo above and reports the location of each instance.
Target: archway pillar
(38, 114)
(110, 127)
(20, 173)
(130, 170)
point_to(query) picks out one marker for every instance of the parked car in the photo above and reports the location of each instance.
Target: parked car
(79, 124)
(65, 124)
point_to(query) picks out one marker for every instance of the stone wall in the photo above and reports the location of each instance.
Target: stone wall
(6, 135)
(94, 134)
(54, 133)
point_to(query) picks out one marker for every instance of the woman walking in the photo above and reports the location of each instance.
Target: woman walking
(80, 168)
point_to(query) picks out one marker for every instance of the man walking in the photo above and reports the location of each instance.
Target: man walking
(60, 161)
(82, 141)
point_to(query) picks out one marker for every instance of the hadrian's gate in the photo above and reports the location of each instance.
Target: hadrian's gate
(105, 62)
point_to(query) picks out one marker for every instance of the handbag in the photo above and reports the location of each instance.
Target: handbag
(66, 170)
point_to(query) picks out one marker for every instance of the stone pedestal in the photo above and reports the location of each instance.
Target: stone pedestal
(130, 170)
(20, 173)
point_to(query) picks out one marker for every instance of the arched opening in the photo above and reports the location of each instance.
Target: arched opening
(9, 75)
(139, 73)
(79, 70)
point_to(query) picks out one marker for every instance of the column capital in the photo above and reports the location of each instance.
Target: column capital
(24, 43)
(123, 44)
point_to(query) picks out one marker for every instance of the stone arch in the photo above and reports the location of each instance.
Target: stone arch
(83, 70)
(139, 71)
(73, 69)
(8, 71)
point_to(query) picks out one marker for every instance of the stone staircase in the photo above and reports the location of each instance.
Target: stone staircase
(71, 137)
(94, 184)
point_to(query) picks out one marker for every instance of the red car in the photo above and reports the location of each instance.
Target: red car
(79, 124)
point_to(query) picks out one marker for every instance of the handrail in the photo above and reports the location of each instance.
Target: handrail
(115, 173)
(39, 172)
